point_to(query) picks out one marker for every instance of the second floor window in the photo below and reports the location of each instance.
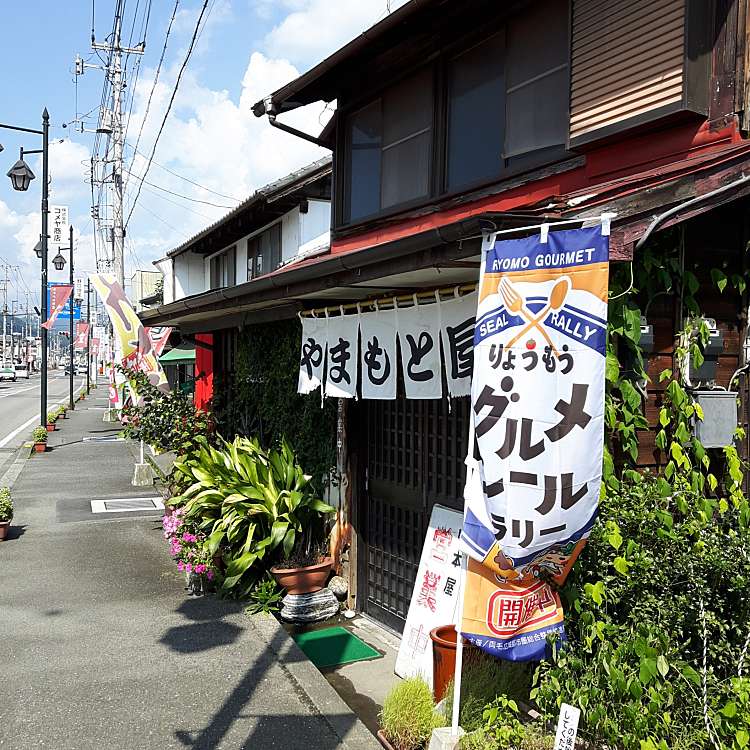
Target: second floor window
(264, 252)
(223, 269)
(490, 108)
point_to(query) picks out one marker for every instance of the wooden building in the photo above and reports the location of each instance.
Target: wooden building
(457, 117)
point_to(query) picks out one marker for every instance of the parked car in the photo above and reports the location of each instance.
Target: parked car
(7, 372)
(22, 371)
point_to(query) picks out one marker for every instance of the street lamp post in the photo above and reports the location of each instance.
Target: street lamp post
(21, 176)
(59, 263)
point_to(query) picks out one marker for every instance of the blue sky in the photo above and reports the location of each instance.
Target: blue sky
(247, 49)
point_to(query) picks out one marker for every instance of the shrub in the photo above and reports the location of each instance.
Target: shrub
(6, 504)
(52, 417)
(657, 571)
(408, 716)
(253, 504)
(39, 435)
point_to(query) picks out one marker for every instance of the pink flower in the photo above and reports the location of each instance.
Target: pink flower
(189, 567)
(209, 574)
(188, 537)
(200, 568)
(180, 566)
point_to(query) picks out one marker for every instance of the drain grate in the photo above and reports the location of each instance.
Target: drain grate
(126, 504)
(104, 439)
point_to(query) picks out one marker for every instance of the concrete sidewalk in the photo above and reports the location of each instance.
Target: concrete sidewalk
(100, 647)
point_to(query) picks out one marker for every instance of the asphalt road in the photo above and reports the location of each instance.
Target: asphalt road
(19, 408)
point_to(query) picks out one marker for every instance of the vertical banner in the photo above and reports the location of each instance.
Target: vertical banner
(59, 226)
(133, 343)
(538, 422)
(435, 596)
(419, 337)
(343, 353)
(312, 358)
(457, 334)
(58, 297)
(158, 335)
(379, 366)
(82, 332)
(94, 346)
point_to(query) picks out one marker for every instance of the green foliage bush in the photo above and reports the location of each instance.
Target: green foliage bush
(633, 603)
(6, 504)
(409, 716)
(261, 399)
(255, 506)
(265, 598)
(39, 435)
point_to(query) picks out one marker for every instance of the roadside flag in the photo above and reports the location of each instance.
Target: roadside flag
(59, 295)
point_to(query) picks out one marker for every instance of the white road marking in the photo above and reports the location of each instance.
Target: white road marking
(31, 421)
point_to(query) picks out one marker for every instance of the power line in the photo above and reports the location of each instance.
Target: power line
(156, 79)
(169, 105)
(178, 195)
(187, 179)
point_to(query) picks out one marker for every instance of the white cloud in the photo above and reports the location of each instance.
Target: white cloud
(318, 28)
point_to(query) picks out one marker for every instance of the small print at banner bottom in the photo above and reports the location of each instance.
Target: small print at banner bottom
(538, 427)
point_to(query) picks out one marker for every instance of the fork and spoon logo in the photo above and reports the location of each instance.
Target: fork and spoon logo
(516, 304)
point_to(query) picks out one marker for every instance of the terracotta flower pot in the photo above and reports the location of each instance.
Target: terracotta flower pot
(4, 526)
(40, 447)
(50, 427)
(444, 657)
(305, 580)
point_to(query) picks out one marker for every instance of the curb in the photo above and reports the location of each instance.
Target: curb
(23, 454)
(316, 691)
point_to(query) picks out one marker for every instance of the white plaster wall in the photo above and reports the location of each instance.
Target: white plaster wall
(165, 266)
(290, 234)
(189, 275)
(316, 221)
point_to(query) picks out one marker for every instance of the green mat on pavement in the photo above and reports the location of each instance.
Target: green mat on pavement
(331, 647)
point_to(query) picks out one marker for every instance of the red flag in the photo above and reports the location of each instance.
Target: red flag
(94, 346)
(58, 296)
(82, 332)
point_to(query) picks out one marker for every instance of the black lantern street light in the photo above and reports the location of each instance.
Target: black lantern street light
(21, 176)
(58, 261)
(38, 249)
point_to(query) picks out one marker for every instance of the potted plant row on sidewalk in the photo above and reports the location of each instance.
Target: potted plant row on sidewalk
(39, 436)
(6, 512)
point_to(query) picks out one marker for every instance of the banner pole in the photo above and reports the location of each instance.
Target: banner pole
(459, 650)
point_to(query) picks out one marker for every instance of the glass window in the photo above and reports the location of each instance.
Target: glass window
(476, 114)
(223, 268)
(264, 252)
(389, 145)
(537, 85)
(364, 165)
(407, 140)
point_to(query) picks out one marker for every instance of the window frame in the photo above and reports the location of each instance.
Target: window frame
(439, 194)
(219, 263)
(252, 254)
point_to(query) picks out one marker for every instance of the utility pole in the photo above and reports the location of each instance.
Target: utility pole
(114, 72)
(88, 335)
(71, 401)
(5, 311)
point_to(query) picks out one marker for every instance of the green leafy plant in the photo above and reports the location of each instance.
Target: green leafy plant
(254, 505)
(52, 417)
(408, 715)
(265, 598)
(6, 504)
(483, 679)
(39, 435)
(262, 399)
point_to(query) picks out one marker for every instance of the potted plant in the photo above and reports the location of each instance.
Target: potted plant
(305, 565)
(6, 511)
(408, 716)
(51, 419)
(39, 436)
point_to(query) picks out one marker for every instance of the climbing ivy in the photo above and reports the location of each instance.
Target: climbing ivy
(658, 617)
(261, 399)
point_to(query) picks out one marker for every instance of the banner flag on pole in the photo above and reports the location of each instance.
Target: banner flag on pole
(82, 332)
(134, 344)
(158, 335)
(58, 297)
(538, 424)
